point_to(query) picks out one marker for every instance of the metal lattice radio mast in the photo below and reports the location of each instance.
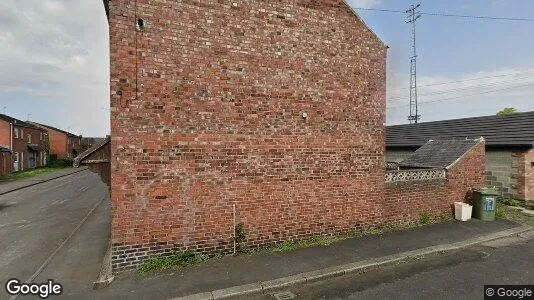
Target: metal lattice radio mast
(413, 15)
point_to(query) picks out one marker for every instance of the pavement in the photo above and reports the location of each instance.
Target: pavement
(12, 186)
(250, 272)
(460, 274)
(58, 229)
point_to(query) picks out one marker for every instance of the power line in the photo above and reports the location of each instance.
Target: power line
(471, 79)
(450, 15)
(471, 95)
(466, 88)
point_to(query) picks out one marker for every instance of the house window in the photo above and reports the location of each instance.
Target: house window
(22, 134)
(29, 138)
(41, 136)
(16, 133)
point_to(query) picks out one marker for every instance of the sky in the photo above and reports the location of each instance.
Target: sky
(54, 57)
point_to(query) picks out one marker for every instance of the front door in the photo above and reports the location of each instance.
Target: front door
(31, 160)
(16, 162)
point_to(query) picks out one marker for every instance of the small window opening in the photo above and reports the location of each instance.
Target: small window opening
(140, 24)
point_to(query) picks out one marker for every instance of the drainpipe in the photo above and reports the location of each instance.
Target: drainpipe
(11, 136)
(11, 144)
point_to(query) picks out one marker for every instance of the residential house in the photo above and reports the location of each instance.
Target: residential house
(63, 144)
(261, 115)
(509, 147)
(26, 143)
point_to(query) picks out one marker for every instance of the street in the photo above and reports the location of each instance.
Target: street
(35, 221)
(457, 275)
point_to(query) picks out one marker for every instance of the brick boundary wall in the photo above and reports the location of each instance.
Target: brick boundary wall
(6, 164)
(405, 201)
(525, 176)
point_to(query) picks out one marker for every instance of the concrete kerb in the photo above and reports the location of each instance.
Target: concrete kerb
(43, 181)
(356, 267)
(106, 276)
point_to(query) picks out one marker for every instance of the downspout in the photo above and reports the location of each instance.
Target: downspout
(11, 136)
(11, 146)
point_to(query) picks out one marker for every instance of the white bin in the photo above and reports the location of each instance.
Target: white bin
(462, 211)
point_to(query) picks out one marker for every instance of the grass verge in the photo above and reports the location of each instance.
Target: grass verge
(506, 212)
(28, 173)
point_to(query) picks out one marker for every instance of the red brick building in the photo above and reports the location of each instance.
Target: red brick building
(276, 108)
(25, 142)
(63, 144)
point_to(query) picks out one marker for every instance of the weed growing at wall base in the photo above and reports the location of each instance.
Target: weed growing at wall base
(181, 259)
(424, 218)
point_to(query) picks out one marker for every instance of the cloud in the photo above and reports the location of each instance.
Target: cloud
(463, 95)
(364, 3)
(443, 88)
(56, 49)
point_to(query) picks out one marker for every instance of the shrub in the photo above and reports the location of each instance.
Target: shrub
(60, 163)
(511, 202)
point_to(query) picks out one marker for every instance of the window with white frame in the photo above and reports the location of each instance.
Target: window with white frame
(22, 134)
(29, 138)
(16, 133)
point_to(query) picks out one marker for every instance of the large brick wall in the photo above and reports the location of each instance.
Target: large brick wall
(405, 201)
(207, 103)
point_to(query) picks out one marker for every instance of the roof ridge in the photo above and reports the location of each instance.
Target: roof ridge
(512, 116)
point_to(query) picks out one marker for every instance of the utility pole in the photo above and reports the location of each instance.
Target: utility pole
(5, 109)
(413, 15)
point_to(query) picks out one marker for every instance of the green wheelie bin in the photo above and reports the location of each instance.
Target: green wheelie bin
(485, 203)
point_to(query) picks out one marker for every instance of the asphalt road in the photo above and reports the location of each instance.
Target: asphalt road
(35, 221)
(457, 275)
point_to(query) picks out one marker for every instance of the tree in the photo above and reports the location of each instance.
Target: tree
(507, 111)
